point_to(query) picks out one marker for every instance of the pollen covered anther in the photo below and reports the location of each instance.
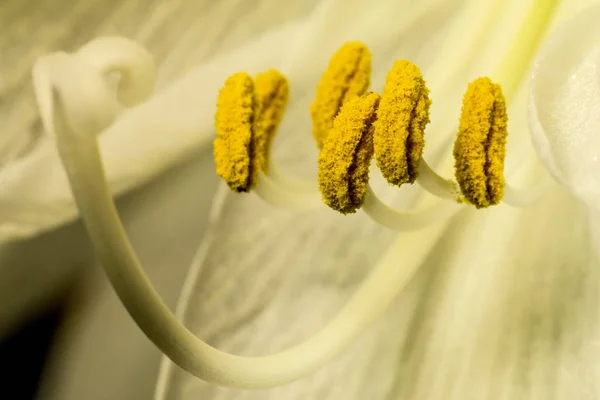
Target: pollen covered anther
(248, 114)
(272, 90)
(402, 117)
(479, 149)
(234, 146)
(343, 164)
(347, 76)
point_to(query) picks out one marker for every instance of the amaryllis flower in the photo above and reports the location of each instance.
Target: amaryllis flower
(417, 297)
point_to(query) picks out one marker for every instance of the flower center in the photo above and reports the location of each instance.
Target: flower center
(351, 127)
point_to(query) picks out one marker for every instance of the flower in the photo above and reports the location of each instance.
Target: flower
(489, 307)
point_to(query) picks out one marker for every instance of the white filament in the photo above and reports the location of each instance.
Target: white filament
(396, 220)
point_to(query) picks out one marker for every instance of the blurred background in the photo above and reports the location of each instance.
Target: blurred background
(23, 353)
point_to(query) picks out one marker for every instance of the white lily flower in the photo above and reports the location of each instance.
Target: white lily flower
(478, 306)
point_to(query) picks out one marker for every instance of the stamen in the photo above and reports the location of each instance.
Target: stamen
(346, 155)
(272, 91)
(479, 152)
(248, 114)
(479, 149)
(347, 76)
(401, 119)
(391, 127)
(234, 147)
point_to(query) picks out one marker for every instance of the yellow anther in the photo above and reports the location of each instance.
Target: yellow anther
(346, 155)
(234, 146)
(348, 75)
(247, 117)
(401, 120)
(479, 149)
(272, 90)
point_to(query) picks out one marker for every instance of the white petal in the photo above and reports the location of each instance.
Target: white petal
(565, 104)
(507, 310)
